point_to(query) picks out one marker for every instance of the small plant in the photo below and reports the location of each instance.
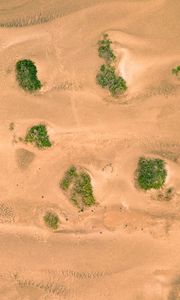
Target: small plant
(176, 70)
(151, 173)
(26, 74)
(78, 186)
(105, 50)
(51, 220)
(107, 78)
(11, 126)
(68, 178)
(38, 135)
(169, 191)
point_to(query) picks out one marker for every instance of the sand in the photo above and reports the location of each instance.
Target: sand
(127, 246)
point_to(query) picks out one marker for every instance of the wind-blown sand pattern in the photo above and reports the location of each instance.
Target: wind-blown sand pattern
(127, 245)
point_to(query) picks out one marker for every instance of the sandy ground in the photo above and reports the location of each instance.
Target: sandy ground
(128, 246)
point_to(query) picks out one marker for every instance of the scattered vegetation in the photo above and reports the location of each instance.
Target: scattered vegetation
(107, 78)
(166, 195)
(38, 135)
(51, 220)
(68, 178)
(79, 187)
(26, 74)
(176, 70)
(151, 173)
(105, 50)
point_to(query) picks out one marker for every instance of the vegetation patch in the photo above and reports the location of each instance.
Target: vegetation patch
(105, 50)
(26, 74)
(77, 184)
(151, 173)
(83, 191)
(176, 70)
(51, 220)
(166, 195)
(107, 78)
(68, 178)
(38, 136)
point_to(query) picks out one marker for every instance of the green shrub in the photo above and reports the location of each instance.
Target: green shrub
(68, 178)
(176, 70)
(26, 74)
(107, 78)
(78, 186)
(51, 220)
(38, 135)
(151, 173)
(105, 50)
(83, 189)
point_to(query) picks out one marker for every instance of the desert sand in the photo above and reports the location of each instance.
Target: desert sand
(126, 247)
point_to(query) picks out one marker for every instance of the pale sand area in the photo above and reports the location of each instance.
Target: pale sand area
(127, 247)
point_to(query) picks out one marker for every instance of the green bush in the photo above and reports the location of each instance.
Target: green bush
(51, 220)
(176, 70)
(151, 173)
(107, 78)
(68, 178)
(83, 189)
(26, 74)
(38, 135)
(78, 186)
(105, 50)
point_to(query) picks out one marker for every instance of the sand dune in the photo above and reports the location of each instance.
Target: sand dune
(127, 245)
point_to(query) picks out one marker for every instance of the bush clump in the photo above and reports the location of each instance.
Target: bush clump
(51, 220)
(78, 186)
(83, 189)
(68, 178)
(26, 74)
(105, 50)
(151, 173)
(176, 70)
(107, 78)
(38, 135)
